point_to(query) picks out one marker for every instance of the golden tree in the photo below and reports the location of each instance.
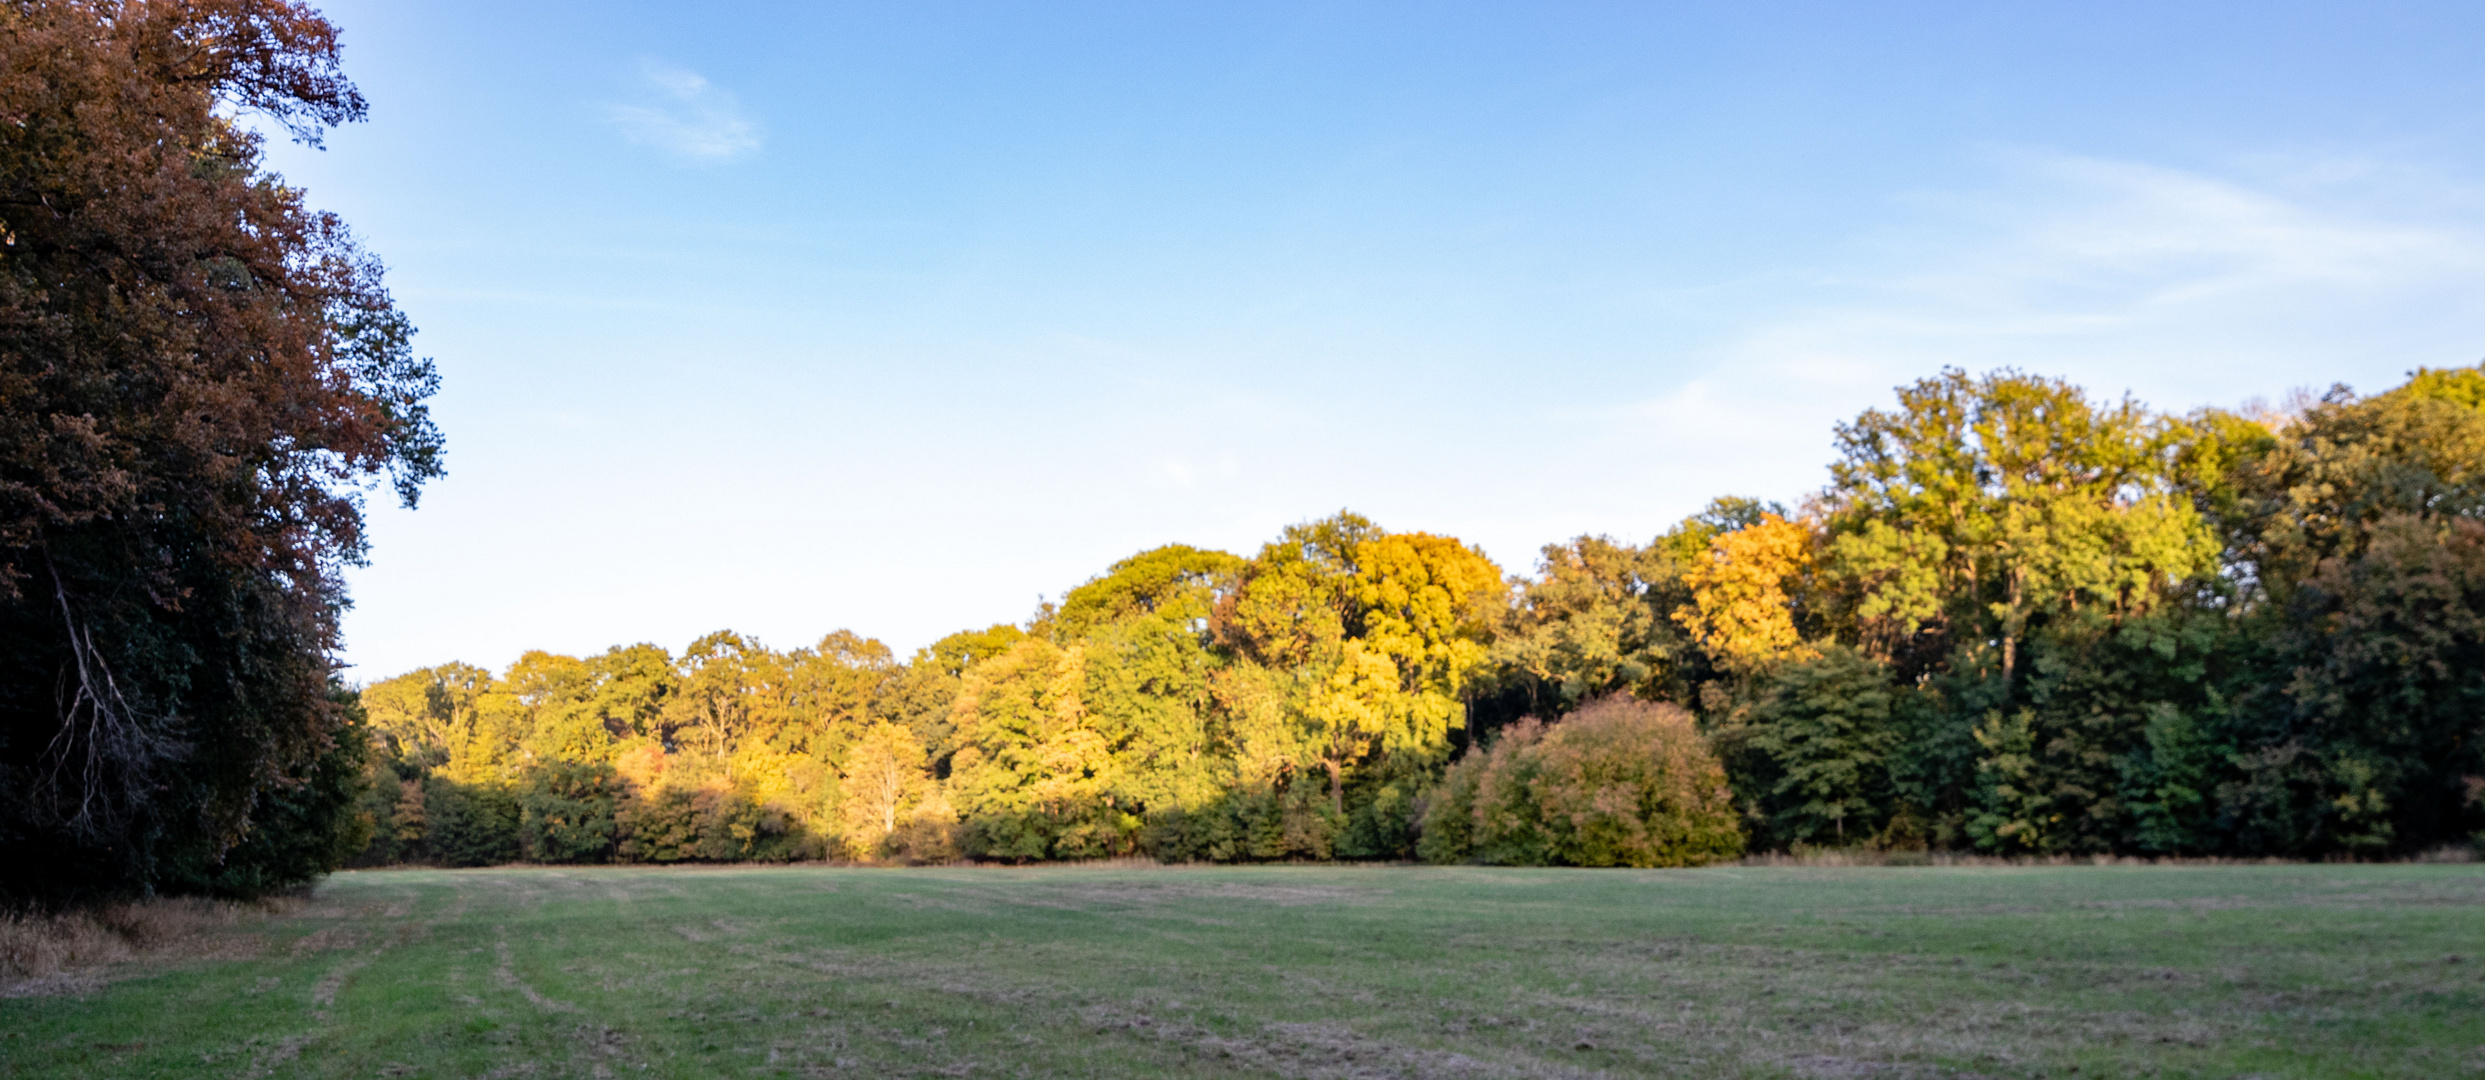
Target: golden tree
(1742, 606)
(881, 786)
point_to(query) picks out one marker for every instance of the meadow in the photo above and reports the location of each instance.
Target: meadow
(1299, 971)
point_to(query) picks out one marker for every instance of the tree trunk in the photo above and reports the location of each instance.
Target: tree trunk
(891, 792)
(2011, 626)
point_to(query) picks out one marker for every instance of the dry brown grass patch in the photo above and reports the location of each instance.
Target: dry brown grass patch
(51, 953)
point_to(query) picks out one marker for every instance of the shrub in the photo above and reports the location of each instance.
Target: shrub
(708, 824)
(40, 945)
(567, 812)
(1289, 818)
(1621, 782)
(1076, 832)
(469, 824)
(659, 826)
(930, 836)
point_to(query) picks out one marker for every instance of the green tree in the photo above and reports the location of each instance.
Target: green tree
(1142, 629)
(921, 695)
(555, 693)
(835, 688)
(2389, 685)
(626, 691)
(1032, 777)
(723, 694)
(2290, 499)
(1992, 520)
(1823, 732)
(1177, 580)
(304, 826)
(2348, 538)
(1983, 507)
(428, 712)
(1594, 622)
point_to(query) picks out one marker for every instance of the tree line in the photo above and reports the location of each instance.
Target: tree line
(2018, 619)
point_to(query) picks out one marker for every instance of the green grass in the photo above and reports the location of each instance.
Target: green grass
(1315, 972)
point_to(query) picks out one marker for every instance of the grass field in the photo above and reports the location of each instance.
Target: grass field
(1311, 972)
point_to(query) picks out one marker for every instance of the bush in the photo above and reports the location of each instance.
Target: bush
(1621, 782)
(924, 838)
(1289, 818)
(659, 826)
(469, 824)
(37, 945)
(567, 812)
(708, 824)
(1091, 832)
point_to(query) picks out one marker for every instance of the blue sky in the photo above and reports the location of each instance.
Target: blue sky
(787, 318)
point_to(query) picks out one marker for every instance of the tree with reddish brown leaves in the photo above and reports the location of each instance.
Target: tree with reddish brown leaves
(199, 378)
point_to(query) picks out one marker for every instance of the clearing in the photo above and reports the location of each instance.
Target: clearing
(2208, 971)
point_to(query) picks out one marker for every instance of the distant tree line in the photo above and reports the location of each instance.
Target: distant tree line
(2018, 620)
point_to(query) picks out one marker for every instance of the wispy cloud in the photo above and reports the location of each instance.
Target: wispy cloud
(694, 119)
(2084, 247)
(2183, 287)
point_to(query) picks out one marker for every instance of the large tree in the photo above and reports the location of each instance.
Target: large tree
(1984, 507)
(198, 377)
(2355, 525)
(1353, 642)
(1593, 622)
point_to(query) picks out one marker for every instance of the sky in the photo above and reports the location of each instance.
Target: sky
(901, 318)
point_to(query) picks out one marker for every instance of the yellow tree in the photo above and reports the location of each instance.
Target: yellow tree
(1363, 640)
(882, 784)
(1742, 607)
(1424, 606)
(1286, 622)
(830, 692)
(721, 692)
(1031, 765)
(429, 712)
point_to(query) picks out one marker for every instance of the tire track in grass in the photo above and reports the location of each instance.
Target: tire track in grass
(324, 993)
(1326, 1050)
(603, 1043)
(507, 976)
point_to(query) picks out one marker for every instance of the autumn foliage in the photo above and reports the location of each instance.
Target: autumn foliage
(2017, 619)
(1617, 783)
(198, 374)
